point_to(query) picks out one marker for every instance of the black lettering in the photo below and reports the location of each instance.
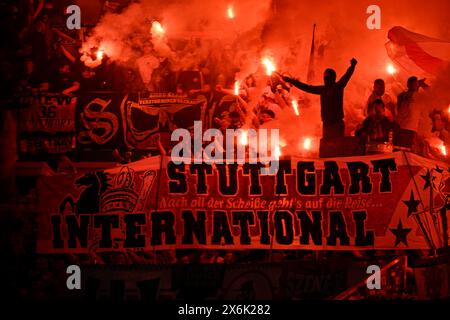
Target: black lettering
(106, 222)
(385, 166)
(306, 183)
(310, 227)
(284, 167)
(284, 227)
(77, 230)
(244, 219)
(253, 170)
(359, 173)
(134, 238)
(57, 239)
(221, 228)
(163, 223)
(263, 217)
(338, 229)
(331, 178)
(227, 179)
(362, 238)
(194, 226)
(201, 170)
(177, 178)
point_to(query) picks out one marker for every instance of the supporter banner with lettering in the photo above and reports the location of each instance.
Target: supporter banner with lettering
(93, 122)
(108, 120)
(47, 123)
(354, 203)
(157, 116)
(98, 121)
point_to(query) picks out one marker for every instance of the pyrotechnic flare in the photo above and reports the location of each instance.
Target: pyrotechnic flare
(307, 144)
(230, 12)
(391, 69)
(243, 139)
(157, 29)
(269, 65)
(295, 106)
(236, 88)
(92, 55)
(99, 54)
(277, 152)
(443, 150)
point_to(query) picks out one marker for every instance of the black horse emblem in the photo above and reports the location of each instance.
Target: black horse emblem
(95, 184)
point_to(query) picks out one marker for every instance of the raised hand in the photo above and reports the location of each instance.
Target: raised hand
(422, 83)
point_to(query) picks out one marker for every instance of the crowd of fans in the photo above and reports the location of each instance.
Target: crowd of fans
(39, 57)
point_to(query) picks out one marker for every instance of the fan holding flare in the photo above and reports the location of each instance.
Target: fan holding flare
(331, 99)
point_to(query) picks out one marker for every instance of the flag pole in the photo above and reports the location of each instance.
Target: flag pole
(310, 75)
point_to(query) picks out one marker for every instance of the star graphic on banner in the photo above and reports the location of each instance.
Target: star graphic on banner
(411, 204)
(400, 234)
(439, 170)
(428, 179)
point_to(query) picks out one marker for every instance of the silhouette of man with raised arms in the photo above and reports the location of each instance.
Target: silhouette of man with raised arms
(331, 99)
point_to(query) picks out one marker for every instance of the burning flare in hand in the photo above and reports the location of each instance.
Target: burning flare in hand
(391, 69)
(243, 138)
(295, 106)
(100, 54)
(230, 13)
(236, 88)
(92, 55)
(269, 65)
(307, 144)
(157, 29)
(277, 152)
(443, 149)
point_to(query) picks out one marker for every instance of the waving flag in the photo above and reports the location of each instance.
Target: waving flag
(417, 53)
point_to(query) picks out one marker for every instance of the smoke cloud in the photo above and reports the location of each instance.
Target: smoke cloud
(200, 30)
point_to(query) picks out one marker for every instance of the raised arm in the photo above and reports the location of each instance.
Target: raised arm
(249, 117)
(241, 106)
(348, 74)
(303, 86)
